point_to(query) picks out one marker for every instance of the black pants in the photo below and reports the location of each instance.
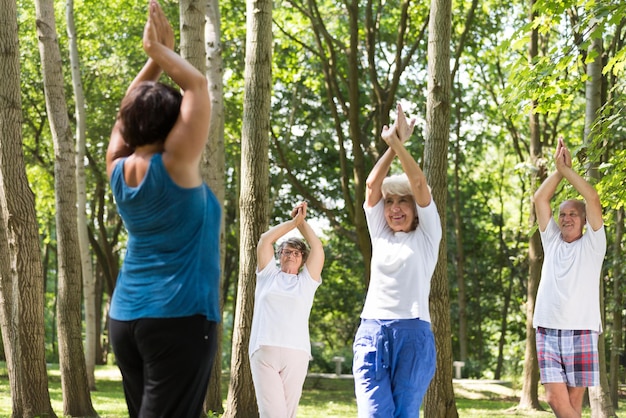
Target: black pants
(165, 364)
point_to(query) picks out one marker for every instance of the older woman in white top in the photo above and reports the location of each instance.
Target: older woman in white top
(280, 348)
(394, 348)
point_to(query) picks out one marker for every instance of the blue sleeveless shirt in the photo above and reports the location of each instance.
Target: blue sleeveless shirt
(172, 262)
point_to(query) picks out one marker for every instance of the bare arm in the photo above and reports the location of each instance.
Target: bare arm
(185, 142)
(543, 196)
(375, 179)
(395, 138)
(586, 190)
(151, 71)
(118, 148)
(315, 261)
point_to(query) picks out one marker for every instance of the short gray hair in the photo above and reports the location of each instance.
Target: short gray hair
(397, 184)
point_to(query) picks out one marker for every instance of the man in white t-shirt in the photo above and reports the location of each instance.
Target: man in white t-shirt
(567, 311)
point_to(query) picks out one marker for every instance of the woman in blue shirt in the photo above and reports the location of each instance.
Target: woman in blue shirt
(165, 305)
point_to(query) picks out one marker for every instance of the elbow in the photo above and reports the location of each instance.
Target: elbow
(538, 196)
(593, 198)
(263, 242)
(198, 83)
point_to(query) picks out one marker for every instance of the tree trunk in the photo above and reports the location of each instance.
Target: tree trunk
(599, 396)
(76, 397)
(529, 397)
(89, 282)
(618, 303)
(213, 171)
(460, 253)
(254, 198)
(200, 22)
(21, 273)
(439, 400)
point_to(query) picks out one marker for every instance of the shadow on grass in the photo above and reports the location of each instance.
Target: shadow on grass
(322, 396)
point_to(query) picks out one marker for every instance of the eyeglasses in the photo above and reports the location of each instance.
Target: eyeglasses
(288, 253)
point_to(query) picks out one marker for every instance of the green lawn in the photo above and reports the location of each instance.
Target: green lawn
(322, 397)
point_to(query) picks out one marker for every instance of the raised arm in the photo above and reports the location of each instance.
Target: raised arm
(183, 146)
(544, 194)
(395, 137)
(543, 197)
(118, 148)
(151, 71)
(265, 246)
(593, 207)
(315, 261)
(374, 180)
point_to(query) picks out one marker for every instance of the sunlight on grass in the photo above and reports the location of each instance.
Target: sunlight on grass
(333, 396)
(321, 397)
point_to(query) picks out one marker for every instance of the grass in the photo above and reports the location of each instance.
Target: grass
(322, 397)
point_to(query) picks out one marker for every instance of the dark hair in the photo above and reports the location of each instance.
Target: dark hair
(296, 243)
(148, 113)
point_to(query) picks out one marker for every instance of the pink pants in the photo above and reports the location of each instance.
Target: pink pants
(278, 374)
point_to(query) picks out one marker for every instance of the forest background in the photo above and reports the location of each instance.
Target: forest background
(521, 75)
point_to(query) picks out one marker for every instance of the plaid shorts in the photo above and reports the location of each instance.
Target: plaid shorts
(568, 356)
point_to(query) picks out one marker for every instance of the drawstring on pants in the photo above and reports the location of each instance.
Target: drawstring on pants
(382, 352)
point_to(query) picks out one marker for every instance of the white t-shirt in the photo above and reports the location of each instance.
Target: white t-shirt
(569, 291)
(402, 265)
(282, 306)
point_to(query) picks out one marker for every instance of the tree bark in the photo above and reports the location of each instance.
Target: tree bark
(89, 282)
(254, 198)
(439, 400)
(213, 170)
(459, 253)
(529, 396)
(21, 272)
(618, 303)
(599, 396)
(76, 397)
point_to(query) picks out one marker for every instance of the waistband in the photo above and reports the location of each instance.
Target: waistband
(415, 323)
(564, 332)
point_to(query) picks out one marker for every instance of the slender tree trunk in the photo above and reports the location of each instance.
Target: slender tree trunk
(599, 396)
(254, 196)
(618, 303)
(439, 400)
(529, 397)
(506, 294)
(213, 165)
(76, 397)
(21, 272)
(89, 282)
(503, 327)
(460, 253)
(200, 32)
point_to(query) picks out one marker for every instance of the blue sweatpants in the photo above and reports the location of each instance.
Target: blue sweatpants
(394, 362)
